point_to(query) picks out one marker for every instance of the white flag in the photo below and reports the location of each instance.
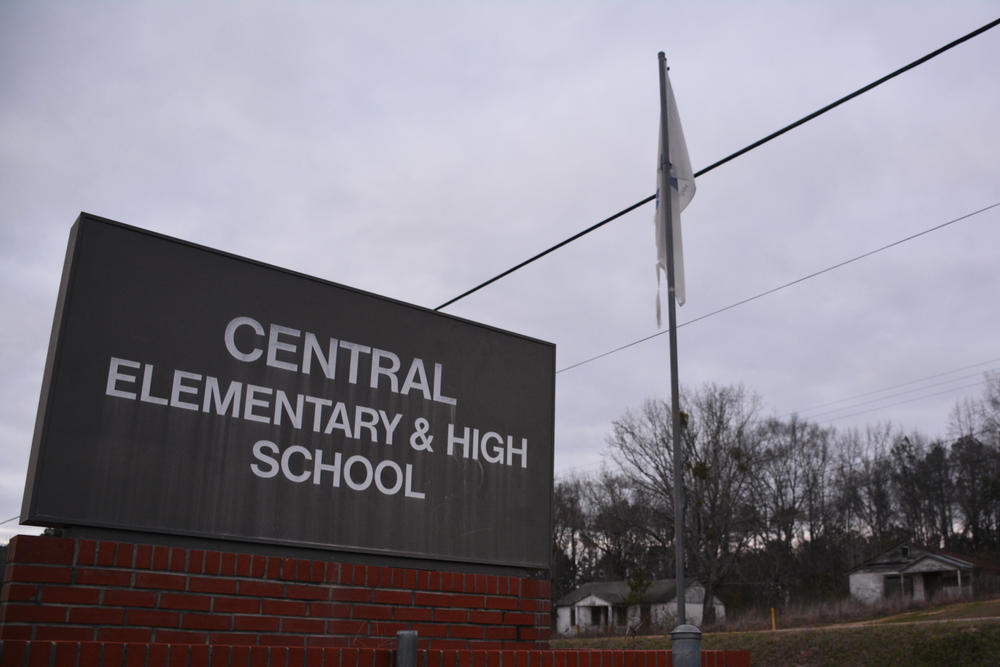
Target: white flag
(680, 190)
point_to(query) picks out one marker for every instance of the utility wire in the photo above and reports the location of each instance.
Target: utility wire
(895, 386)
(546, 252)
(859, 91)
(719, 163)
(866, 404)
(8, 520)
(781, 287)
(909, 400)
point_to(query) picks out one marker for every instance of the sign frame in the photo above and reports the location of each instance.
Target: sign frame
(297, 411)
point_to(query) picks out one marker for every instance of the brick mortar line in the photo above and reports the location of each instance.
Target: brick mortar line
(77, 567)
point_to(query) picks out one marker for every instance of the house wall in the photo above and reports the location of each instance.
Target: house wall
(564, 626)
(868, 587)
(694, 607)
(919, 590)
(592, 612)
(693, 611)
(660, 616)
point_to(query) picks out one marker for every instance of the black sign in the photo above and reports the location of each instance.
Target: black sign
(189, 391)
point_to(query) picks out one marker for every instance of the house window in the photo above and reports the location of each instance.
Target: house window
(621, 615)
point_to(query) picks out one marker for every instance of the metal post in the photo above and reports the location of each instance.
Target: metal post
(406, 648)
(685, 643)
(674, 383)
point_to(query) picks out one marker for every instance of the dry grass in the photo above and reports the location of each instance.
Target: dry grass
(966, 633)
(966, 643)
(846, 610)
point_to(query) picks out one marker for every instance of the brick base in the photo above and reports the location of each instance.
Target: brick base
(84, 603)
(92, 654)
(79, 590)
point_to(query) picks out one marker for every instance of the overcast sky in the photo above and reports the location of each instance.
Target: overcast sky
(416, 149)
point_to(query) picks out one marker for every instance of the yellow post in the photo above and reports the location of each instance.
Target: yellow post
(772, 619)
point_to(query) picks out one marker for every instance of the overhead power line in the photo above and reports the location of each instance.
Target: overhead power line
(811, 408)
(781, 287)
(873, 403)
(719, 163)
(898, 403)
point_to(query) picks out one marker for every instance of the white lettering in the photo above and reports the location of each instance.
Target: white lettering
(410, 493)
(179, 388)
(494, 455)
(492, 446)
(366, 464)
(522, 451)
(274, 344)
(365, 418)
(236, 323)
(214, 398)
(297, 464)
(317, 404)
(312, 349)
(291, 349)
(390, 426)
(398, 484)
(413, 382)
(438, 372)
(282, 404)
(453, 440)
(258, 453)
(356, 351)
(339, 420)
(320, 467)
(389, 372)
(286, 468)
(147, 381)
(114, 376)
(253, 402)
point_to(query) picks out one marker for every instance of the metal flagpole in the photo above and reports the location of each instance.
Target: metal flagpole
(672, 323)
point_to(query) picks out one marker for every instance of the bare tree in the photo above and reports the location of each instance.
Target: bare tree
(976, 469)
(865, 487)
(794, 462)
(975, 464)
(569, 522)
(722, 444)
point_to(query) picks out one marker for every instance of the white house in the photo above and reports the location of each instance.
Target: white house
(911, 572)
(606, 605)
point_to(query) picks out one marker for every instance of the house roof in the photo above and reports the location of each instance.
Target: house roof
(903, 557)
(617, 592)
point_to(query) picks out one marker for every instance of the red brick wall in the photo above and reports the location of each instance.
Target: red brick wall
(84, 603)
(84, 654)
(77, 590)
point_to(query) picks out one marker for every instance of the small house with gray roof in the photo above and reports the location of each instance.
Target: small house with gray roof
(911, 572)
(611, 606)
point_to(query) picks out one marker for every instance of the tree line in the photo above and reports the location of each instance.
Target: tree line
(775, 508)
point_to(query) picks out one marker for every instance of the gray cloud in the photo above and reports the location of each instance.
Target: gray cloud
(415, 151)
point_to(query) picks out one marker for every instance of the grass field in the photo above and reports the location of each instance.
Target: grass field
(963, 635)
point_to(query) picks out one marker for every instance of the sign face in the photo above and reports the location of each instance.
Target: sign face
(192, 392)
